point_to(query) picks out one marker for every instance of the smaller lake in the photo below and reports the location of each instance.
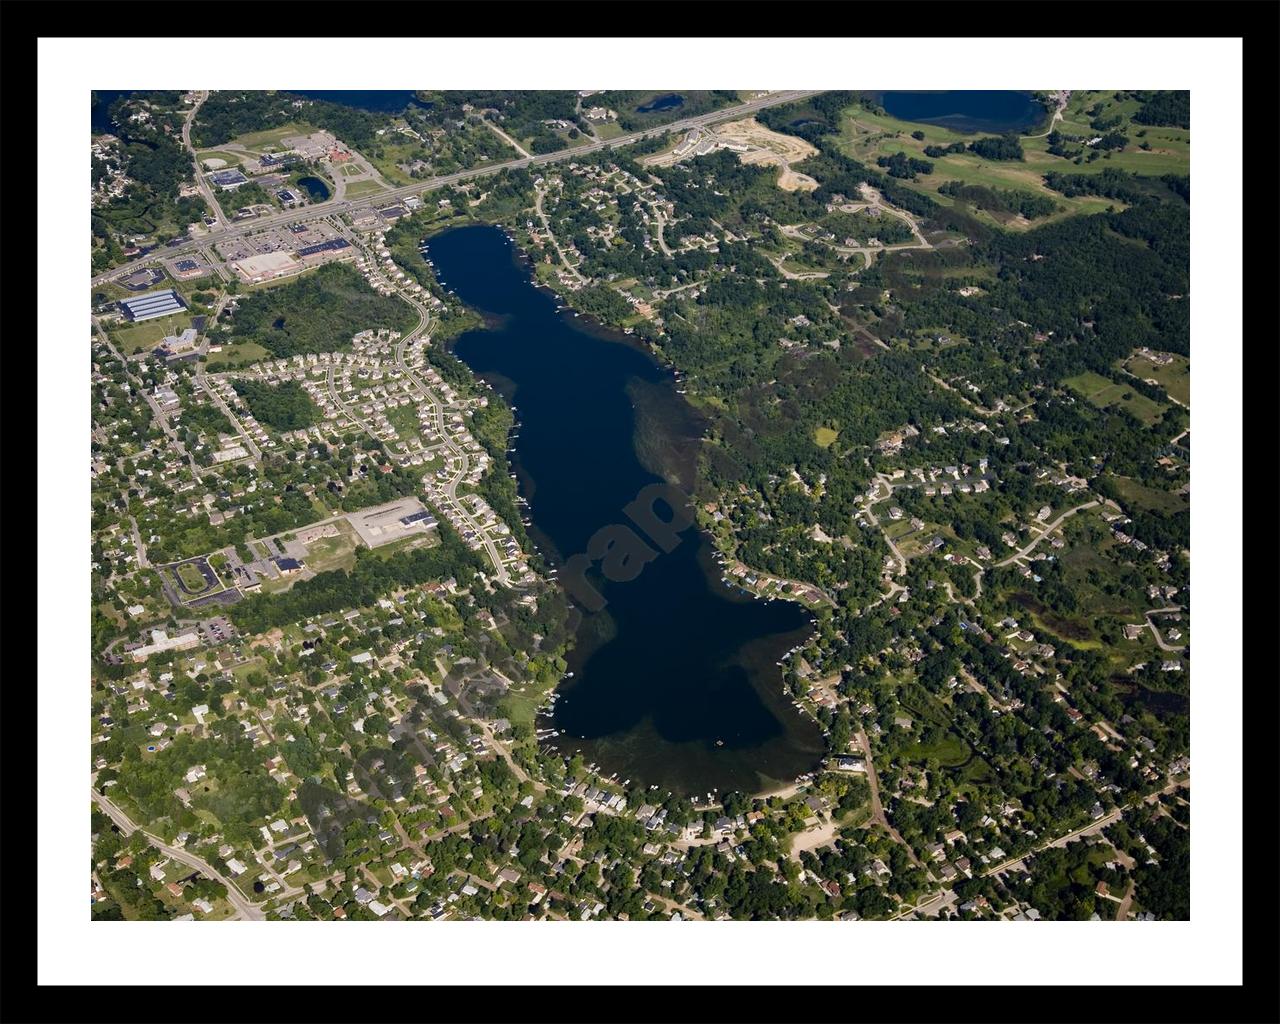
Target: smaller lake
(316, 188)
(99, 105)
(666, 102)
(967, 110)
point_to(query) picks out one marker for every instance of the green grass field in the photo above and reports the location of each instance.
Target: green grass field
(608, 130)
(1151, 498)
(866, 136)
(134, 338)
(362, 188)
(1174, 377)
(191, 578)
(1106, 393)
(332, 553)
(237, 355)
(232, 159)
(825, 436)
(272, 138)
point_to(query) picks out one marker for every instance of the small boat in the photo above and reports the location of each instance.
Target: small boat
(719, 743)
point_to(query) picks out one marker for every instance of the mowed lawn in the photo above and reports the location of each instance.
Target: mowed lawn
(361, 188)
(272, 138)
(148, 334)
(1174, 377)
(1107, 394)
(232, 159)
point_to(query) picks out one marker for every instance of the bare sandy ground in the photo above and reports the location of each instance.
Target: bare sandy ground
(794, 181)
(763, 146)
(815, 837)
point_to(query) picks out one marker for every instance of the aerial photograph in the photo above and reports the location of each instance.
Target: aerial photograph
(638, 505)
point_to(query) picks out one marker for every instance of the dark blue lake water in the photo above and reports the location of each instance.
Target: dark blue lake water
(316, 188)
(99, 104)
(967, 110)
(676, 660)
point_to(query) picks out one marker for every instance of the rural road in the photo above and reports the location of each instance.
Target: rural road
(392, 195)
(1160, 641)
(877, 809)
(243, 907)
(546, 226)
(205, 190)
(1022, 552)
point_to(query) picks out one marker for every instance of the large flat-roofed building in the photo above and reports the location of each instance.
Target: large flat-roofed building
(332, 245)
(183, 342)
(228, 179)
(151, 305)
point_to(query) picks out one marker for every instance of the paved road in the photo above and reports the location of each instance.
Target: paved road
(391, 195)
(156, 412)
(1022, 552)
(255, 452)
(1062, 97)
(243, 907)
(1086, 830)
(1160, 641)
(877, 809)
(137, 542)
(205, 190)
(546, 226)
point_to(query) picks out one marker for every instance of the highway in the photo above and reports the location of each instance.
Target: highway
(392, 195)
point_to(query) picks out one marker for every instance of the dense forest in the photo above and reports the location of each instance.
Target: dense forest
(227, 114)
(150, 154)
(1166, 108)
(284, 406)
(372, 577)
(1000, 200)
(1123, 185)
(319, 312)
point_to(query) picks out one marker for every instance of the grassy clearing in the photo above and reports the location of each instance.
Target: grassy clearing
(393, 154)
(237, 355)
(1106, 394)
(148, 334)
(608, 130)
(362, 188)
(232, 159)
(1174, 377)
(1151, 498)
(332, 553)
(273, 137)
(825, 437)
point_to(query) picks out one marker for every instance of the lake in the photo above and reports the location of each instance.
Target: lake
(967, 110)
(99, 103)
(675, 680)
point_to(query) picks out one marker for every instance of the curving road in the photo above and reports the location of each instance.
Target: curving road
(234, 896)
(1048, 530)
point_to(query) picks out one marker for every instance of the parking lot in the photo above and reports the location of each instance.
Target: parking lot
(286, 238)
